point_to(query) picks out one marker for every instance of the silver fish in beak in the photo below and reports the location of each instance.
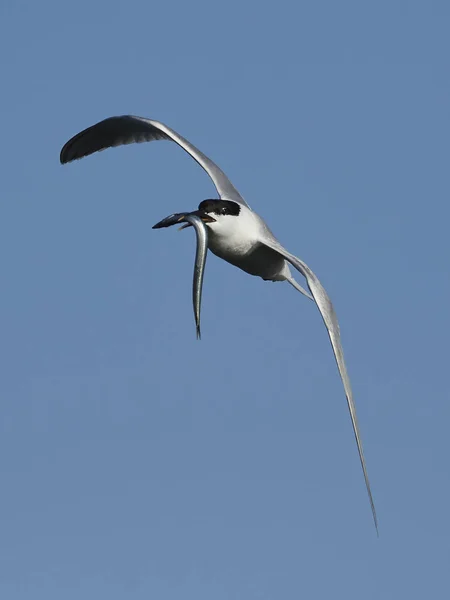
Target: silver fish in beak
(197, 220)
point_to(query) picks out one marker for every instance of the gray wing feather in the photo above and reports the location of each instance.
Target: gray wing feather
(329, 316)
(128, 129)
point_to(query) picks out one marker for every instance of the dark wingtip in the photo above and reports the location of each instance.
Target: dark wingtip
(62, 155)
(72, 150)
(66, 154)
(62, 158)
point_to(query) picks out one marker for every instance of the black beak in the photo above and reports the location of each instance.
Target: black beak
(177, 218)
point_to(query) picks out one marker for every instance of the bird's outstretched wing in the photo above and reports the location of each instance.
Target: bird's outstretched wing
(329, 316)
(128, 129)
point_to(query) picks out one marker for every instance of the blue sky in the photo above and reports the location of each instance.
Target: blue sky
(139, 463)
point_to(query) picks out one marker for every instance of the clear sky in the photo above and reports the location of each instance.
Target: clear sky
(137, 462)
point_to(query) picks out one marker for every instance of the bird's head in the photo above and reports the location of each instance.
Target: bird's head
(212, 212)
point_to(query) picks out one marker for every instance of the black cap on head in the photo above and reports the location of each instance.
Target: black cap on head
(220, 207)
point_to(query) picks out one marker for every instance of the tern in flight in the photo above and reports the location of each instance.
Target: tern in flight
(229, 228)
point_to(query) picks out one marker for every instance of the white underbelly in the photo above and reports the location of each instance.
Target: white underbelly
(255, 259)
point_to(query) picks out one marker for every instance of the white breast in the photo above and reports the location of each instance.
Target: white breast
(237, 239)
(234, 236)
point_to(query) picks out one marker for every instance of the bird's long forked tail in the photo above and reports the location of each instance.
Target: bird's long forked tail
(298, 287)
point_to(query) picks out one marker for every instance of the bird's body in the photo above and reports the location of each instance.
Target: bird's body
(237, 241)
(258, 260)
(230, 229)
